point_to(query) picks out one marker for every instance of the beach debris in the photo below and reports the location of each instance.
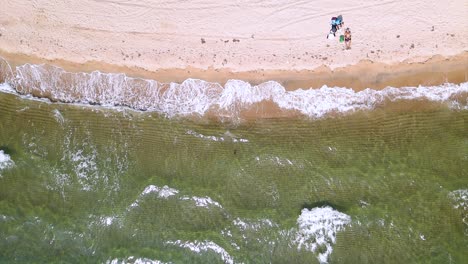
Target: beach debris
(398, 36)
(235, 40)
(203, 41)
(412, 46)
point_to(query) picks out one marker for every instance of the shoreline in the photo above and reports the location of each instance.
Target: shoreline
(365, 74)
(223, 95)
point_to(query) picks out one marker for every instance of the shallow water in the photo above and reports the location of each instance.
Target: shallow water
(201, 176)
(93, 184)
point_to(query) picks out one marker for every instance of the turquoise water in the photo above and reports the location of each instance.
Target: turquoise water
(89, 184)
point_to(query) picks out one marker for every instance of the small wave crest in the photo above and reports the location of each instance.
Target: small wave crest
(194, 97)
(134, 260)
(460, 200)
(318, 227)
(203, 246)
(5, 161)
(165, 192)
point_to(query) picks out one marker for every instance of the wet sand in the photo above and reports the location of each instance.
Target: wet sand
(220, 96)
(366, 74)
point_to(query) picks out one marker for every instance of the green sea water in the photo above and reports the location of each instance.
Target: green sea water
(74, 189)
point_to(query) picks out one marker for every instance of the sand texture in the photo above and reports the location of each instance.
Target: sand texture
(232, 36)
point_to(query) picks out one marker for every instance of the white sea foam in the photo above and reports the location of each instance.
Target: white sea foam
(99, 222)
(6, 218)
(135, 260)
(243, 224)
(278, 161)
(6, 88)
(58, 116)
(6, 72)
(81, 157)
(318, 227)
(161, 192)
(252, 231)
(108, 220)
(202, 201)
(84, 166)
(228, 137)
(197, 97)
(5, 161)
(203, 246)
(460, 199)
(59, 181)
(165, 192)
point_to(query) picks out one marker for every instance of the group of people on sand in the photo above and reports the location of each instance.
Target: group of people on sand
(337, 25)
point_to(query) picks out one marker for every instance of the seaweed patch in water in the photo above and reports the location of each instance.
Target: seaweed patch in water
(7, 150)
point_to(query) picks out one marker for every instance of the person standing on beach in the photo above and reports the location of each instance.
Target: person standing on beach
(347, 38)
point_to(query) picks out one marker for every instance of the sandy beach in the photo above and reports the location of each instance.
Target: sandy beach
(394, 42)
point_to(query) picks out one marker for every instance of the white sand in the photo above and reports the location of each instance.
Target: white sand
(272, 35)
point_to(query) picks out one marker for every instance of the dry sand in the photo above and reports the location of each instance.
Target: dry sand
(251, 40)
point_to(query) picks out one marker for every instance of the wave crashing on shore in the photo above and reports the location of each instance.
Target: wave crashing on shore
(194, 97)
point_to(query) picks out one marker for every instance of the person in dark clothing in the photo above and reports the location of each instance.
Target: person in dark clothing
(336, 23)
(334, 29)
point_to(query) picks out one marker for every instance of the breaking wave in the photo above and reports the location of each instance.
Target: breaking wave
(165, 192)
(203, 246)
(193, 97)
(134, 260)
(5, 161)
(318, 227)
